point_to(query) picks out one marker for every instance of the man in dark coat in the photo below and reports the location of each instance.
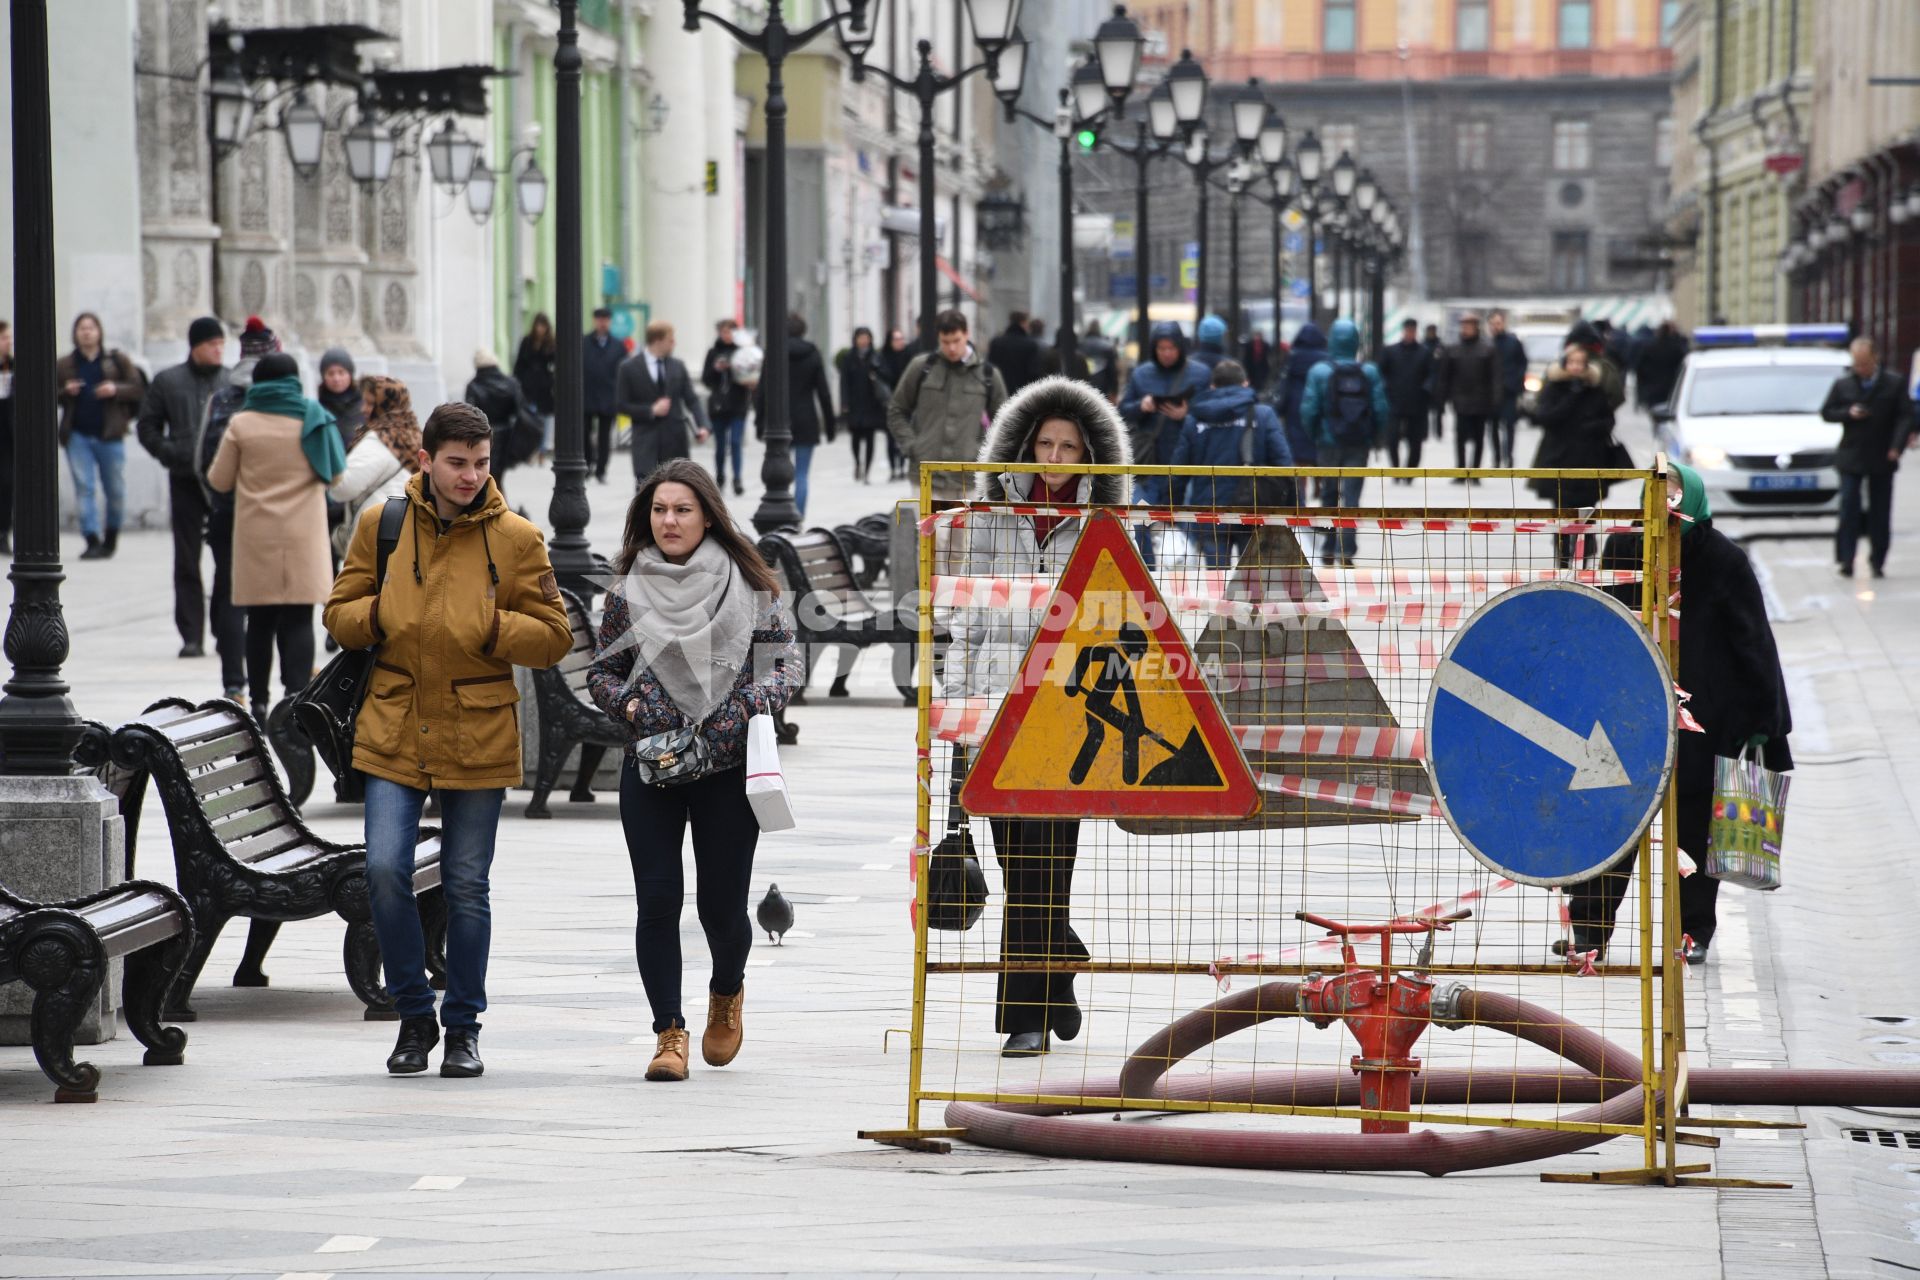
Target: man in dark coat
(656, 394)
(1309, 349)
(1512, 357)
(1436, 407)
(601, 356)
(169, 427)
(1877, 426)
(1407, 366)
(806, 389)
(1015, 354)
(726, 405)
(1468, 378)
(1658, 372)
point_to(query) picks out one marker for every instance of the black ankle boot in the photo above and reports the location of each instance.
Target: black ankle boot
(417, 1038)
(462, 1057)
(93, 551)
(110, 544)
(838, 689)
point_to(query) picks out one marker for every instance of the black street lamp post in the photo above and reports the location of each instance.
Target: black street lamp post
(1284, 181)
(1146, 146)
(1307, 163)
(1344, 176)
(38, 725)
(774, 42)
(573, 561)
(1062, 127)
(1237, 178)
(925, 87)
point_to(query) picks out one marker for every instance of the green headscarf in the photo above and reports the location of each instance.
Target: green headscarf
(318, 438)
(1693, 498)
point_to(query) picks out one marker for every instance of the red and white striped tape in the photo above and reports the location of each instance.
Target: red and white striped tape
(957, 518)
(965, 720)
(1349, 795)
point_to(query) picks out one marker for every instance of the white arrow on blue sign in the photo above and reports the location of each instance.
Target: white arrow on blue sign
(1550, 732)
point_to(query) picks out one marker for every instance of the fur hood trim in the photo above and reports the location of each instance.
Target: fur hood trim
(1010, 438)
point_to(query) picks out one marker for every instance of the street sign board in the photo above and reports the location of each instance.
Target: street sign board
(1109, 716)
(1295, 242)
(1123, 286)
(1550, 732)
(1300, 287)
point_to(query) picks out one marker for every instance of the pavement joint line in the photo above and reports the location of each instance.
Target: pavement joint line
(437, 1182)
(348, 1244)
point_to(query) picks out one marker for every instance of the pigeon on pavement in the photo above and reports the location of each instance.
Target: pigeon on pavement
(775, 914)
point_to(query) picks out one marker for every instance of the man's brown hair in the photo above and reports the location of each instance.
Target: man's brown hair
(657, 330)
(454, 422)
(950, 322)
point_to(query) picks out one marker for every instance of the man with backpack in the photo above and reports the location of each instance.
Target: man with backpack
(1345, 409)
(1228, 427)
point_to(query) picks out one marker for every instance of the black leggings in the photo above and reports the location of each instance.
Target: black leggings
(862, 447)
(1469, 438)
(724, 835)
(1036, 870)
(290, 628)
(1592, 904)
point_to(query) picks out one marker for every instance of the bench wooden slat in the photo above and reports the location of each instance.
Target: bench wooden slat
(225, 747)
(287, 859)
(248, 823)
(254, 848)
(251, 796)
(185, 727)
(248, 768)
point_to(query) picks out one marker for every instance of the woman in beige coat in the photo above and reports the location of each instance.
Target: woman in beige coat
(277, 458)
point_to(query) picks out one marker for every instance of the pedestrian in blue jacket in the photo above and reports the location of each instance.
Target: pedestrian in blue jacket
(1211, 345)
(1309, 349)
(1228, 427)
(1345, 409)
(1166, 374)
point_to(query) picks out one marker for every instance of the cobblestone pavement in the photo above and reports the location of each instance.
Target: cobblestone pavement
(282, 1148)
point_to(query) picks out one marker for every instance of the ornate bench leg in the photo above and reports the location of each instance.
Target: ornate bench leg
(433, 926)
(150, 976)
(260, 936)
(360, 954)
(590, 757)
(553, 757)
(206, 931)
(65, 965)
(905, 660)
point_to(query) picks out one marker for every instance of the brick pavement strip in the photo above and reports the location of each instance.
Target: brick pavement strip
(281, 1136)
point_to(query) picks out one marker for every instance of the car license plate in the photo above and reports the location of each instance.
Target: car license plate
(1785, 482)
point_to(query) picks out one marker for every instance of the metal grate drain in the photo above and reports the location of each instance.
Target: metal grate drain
(1907, 1138)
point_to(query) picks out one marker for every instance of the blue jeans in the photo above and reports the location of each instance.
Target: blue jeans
(802, 463)
(729, 432)
(469, 820)
(1342, 491)
(86, 456)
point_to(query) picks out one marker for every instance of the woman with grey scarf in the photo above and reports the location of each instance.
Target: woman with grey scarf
(693, 637)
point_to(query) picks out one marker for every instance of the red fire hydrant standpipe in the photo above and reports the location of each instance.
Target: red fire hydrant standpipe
(1606, 1074)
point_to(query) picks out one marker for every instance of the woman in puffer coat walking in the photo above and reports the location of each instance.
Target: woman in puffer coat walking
(1577, 419)
(1068, 425)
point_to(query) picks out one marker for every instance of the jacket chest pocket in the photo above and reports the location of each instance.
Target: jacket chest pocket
(489, 723)
(385, 714)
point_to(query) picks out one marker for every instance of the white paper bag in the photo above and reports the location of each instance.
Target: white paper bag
(766, 785)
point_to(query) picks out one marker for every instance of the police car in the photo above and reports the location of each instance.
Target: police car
(1746, 416)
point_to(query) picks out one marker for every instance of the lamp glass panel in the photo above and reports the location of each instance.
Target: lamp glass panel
(480, 191)
(1309, 159)
(1010, 70)
(1366, 192)
(1249, 113)
(1160, 114)
(1273, 140)
(1197, 147)
(1344, 176)
(306, 132)
(993, 21)
(1089, 91)
(1117, 46)
(1188, 85)
(531, 190)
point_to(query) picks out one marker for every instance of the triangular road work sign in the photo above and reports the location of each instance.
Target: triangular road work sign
(1109, 715)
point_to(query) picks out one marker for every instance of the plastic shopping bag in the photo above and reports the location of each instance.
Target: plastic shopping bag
(766, 784)
(1749, 815)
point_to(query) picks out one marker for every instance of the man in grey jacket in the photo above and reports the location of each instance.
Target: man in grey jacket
(169, 428)
(945, 399)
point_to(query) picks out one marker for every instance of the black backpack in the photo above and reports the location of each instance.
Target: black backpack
(1350, 405)
(1268, 491)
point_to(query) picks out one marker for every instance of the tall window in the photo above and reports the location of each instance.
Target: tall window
(1470, 146)
(1572, 146)
(1337, 29)
(1470, 26)
(1576, 24)
(1567, 268)
(1669, 16)
(1663, 141)
(1337, 137)
(1470, 250)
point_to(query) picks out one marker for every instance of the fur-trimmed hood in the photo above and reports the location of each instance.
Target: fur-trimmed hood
(1010, 438)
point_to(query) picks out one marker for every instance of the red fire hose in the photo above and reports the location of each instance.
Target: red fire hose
(1608, 1076)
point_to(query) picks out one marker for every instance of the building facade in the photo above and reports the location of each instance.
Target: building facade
(1518, 138)
(1742, 98)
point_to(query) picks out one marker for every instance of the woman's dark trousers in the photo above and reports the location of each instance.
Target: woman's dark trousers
(1036, 869)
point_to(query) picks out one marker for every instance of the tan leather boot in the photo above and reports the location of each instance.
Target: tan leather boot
(721, 1043)
(670, 1056)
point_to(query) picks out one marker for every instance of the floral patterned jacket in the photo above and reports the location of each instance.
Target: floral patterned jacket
(773, 654)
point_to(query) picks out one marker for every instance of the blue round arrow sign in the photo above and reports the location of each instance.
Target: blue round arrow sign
(1550, 732)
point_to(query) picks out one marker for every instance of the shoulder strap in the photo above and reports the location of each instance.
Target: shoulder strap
(1246, 438)
(392, 516)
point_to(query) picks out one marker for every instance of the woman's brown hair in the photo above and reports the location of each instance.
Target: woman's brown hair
(639, 533)
(541, 332)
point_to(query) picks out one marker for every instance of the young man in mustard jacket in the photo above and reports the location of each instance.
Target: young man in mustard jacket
(469, 594)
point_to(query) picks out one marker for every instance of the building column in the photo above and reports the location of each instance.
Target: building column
(677, 231)
(177, 232)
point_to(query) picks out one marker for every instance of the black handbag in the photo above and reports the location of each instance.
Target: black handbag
(325, 711)
(672, 759)
(956, 886)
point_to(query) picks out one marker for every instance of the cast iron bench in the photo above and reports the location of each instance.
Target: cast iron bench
(569, 718)
(62, 950)
(868, 538)
(241, 849)
(830, 608)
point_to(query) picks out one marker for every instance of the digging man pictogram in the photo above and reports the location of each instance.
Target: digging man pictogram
(1104, 675)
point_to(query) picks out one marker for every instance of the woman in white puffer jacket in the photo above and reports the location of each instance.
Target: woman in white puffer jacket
(380, 459)
(1055, 420)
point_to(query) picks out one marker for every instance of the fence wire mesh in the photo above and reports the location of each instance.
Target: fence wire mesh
(1317, 630)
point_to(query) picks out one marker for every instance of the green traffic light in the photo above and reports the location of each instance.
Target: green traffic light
(1087, 139)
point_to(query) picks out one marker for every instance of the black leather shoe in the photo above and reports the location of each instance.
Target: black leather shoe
(462, 1056)
(1025, 1044)
(1064, 1021)
(417, 1038)
(193, 649)
(1694, 952)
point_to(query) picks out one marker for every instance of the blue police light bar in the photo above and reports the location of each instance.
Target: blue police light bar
(1771, 335)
